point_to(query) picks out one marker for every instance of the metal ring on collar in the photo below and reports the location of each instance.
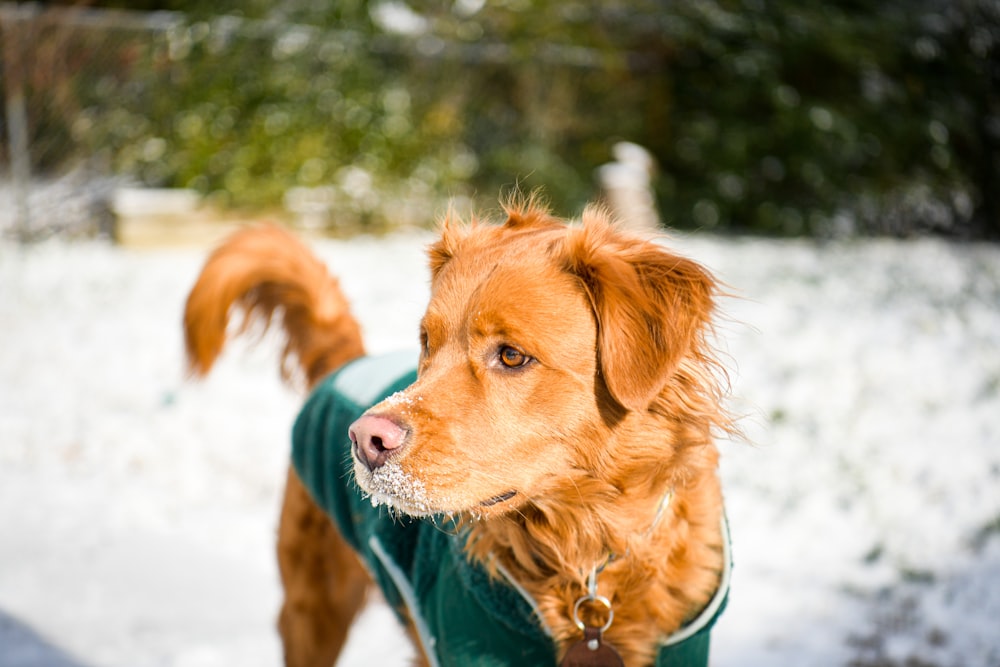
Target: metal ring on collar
(593, 598)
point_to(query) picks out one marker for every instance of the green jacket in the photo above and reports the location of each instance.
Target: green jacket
(462, 616)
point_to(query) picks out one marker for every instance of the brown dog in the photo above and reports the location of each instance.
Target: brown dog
(560, 426)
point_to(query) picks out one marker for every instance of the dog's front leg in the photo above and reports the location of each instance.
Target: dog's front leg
(324, 582)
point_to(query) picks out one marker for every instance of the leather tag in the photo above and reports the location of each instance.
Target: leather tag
(591, 651)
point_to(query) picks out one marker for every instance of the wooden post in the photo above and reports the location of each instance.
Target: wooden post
(14, 19)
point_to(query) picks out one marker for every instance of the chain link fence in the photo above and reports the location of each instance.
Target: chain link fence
(59, 65)
(370, 130)
(315, 122)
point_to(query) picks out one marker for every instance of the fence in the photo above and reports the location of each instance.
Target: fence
(381, 127)
(53, 183)
(361, 128)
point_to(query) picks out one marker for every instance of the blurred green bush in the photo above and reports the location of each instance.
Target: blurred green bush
(769, 116)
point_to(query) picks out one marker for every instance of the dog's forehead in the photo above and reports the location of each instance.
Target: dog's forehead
(507, 276)
(491, 250)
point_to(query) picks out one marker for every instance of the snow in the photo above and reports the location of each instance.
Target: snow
(138, 508)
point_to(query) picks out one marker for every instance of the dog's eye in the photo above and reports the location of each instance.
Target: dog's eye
(512, 357)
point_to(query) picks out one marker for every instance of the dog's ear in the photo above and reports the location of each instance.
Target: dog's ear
(651, 306)
(451, 233)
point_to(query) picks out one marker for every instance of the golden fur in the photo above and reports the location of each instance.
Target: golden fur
(566, 385)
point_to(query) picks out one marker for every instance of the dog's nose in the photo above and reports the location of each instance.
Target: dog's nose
(375, 439)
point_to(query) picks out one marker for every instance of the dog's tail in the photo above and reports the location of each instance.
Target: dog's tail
(269, 274)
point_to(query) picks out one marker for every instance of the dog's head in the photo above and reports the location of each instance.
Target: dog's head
(541, 343)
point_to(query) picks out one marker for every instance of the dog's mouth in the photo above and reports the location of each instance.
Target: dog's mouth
(496, 500)
(391, 486)
(399, 490)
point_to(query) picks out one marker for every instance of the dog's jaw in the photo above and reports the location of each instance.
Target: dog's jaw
(393, 487)
(390, 485)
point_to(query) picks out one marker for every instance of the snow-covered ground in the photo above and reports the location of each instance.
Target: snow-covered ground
(138, 509)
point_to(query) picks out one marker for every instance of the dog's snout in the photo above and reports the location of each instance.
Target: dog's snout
(375, 439)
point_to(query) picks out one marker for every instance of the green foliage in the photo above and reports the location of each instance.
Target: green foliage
(771, 116)
(786, 114)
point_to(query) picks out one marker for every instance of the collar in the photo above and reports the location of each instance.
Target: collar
(591, 595)
(688, 645)
(702, 623)
(611, 556)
